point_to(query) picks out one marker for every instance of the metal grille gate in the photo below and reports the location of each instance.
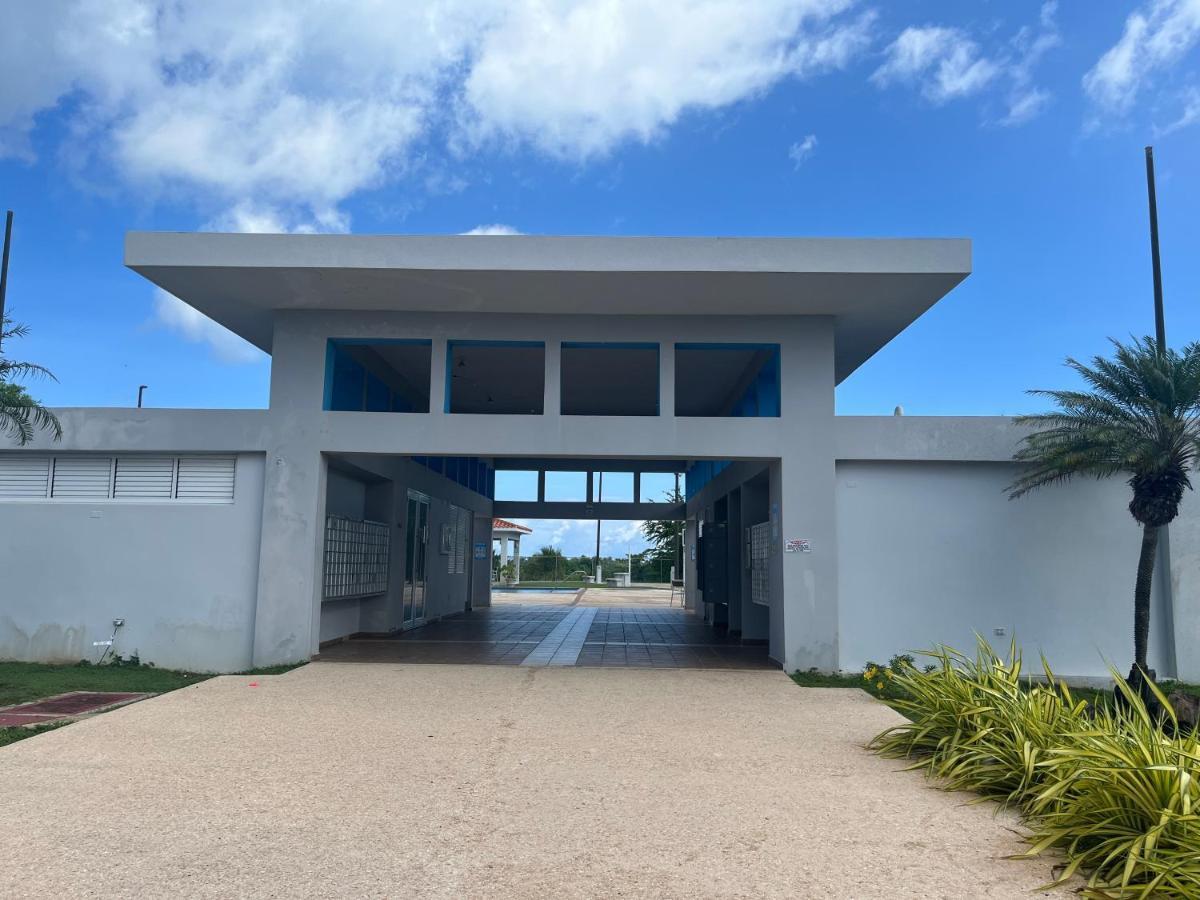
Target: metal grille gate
(760, 563)
(356, 557)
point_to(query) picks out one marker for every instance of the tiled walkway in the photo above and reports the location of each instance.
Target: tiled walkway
(555, 635)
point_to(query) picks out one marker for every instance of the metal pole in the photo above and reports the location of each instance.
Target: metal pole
(599, 497)
(1160, 325)
(141, 390)
(4, 264)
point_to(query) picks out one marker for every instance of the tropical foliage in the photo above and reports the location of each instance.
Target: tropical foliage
(1115, 789)
(666, 537)
(20, 414)
(1139, 418)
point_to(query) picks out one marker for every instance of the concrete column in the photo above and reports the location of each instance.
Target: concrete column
(288, 615)
(802, 505)
(503, 555)
(439, 386)
(553, 390)
(517, 559)
(666, 378)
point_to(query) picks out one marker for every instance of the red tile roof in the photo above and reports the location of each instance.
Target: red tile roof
(505, 525)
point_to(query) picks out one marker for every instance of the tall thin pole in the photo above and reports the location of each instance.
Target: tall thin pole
(1160, 325)
(599, 497)
(4, 263)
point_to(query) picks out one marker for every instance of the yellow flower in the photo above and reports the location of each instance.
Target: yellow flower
(887, 673)
(879, 686)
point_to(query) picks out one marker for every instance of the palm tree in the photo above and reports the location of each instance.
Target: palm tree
(20, 414)
(1140, 418)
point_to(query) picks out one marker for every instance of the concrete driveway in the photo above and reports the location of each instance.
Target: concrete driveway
(469, 781)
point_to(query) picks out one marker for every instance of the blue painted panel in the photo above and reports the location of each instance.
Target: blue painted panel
(347, 391)
(379, 397)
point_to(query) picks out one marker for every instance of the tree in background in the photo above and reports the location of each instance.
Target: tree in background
(666, 538)
(1140, 418)
(20, 414)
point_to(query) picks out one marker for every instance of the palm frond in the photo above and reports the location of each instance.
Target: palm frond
(1139, 416)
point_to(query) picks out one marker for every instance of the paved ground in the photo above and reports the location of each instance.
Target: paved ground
(468, 781)
(557, 634)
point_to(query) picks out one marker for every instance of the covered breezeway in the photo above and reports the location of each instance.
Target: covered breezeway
(408, 565)
(581, 633)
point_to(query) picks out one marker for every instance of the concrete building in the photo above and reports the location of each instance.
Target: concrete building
(407, 371)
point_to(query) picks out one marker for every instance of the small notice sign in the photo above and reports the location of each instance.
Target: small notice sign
(480, 550)
(797, 545)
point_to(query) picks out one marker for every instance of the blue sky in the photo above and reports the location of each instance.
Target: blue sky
(1017, 124)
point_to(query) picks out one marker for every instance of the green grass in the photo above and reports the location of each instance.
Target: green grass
(21, 682)
(19, 733)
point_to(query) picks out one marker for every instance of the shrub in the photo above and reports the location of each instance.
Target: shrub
(1107, 785)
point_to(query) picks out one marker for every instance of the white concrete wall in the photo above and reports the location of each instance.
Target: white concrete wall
(182, 575)
(931, 552)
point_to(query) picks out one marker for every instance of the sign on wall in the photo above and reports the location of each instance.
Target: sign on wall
(481, 550)
(797, 545)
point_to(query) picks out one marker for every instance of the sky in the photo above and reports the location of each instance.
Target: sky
(1020, 125)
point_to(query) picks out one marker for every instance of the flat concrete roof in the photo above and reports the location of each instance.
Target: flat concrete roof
(874, 288)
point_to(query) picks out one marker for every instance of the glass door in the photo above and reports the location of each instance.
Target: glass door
(416, 544)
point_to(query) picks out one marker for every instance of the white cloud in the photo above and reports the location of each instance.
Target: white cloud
(1188, 115)
(496, 228)
(172, 313)
(1155, 37)
(288, 109)
(802, 150)
(576, 79)
(947, 63)
(1025, 105)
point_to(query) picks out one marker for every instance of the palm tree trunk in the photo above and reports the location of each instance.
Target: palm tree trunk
(1141, 595)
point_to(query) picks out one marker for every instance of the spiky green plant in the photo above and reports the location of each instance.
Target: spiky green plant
(1117, 794)
(978, 724)
(20, 414)
(1140, 418)
(1121, 798)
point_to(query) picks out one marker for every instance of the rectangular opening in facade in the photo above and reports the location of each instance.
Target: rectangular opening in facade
(609, 379)
(495, 377)
(739, 380)
(614, 487)
(566, 487)
(516, 485)
(377, 376)
(657, 487)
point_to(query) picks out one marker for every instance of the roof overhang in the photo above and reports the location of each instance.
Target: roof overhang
(874, 288)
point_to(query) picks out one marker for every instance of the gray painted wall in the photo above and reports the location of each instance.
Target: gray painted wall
(386, 501)
(182, 575)
(933, 552)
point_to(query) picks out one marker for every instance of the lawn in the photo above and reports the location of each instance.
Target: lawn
(22, 682)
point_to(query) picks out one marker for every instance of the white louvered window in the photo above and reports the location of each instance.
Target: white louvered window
(144, 478)
(82, 477)
(206, 479)
(196, 479)
(24, 476)
(460, 524)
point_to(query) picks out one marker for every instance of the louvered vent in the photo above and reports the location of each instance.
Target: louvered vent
(82, 477)
(206, 478)
(144, 478)
(24, 476)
